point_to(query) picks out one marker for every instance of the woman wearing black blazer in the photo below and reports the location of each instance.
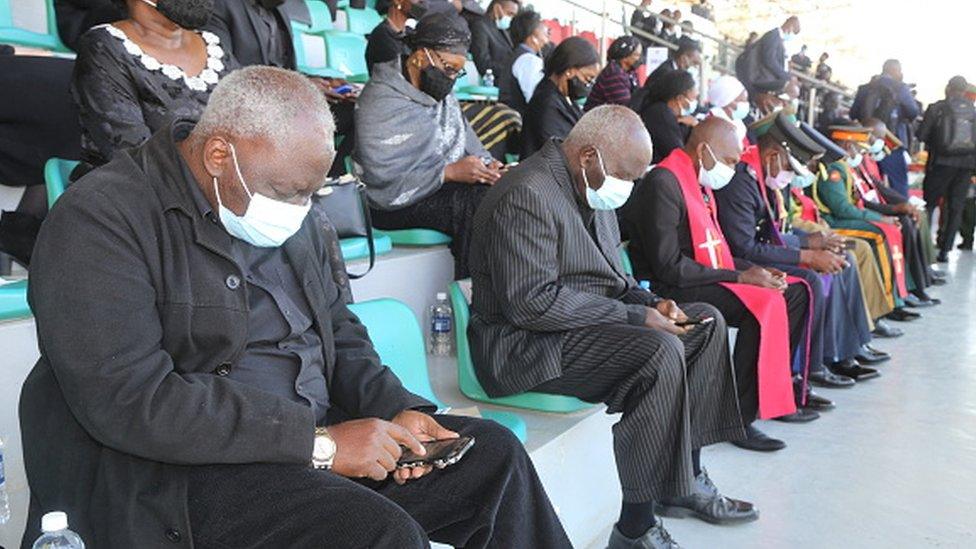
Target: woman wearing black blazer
(667, 112)
(553, 111)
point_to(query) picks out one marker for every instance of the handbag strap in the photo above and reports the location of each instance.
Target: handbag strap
(364, 204)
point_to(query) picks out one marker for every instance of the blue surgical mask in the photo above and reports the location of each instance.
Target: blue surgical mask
(691, 108)
(266, 223)
(504, 22)
(718, 176)
(612, 194)
(877, 146)
(856, 161)
(741, 110)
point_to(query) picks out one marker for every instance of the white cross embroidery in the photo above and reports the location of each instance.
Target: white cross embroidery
(712, 245)
(897, 257)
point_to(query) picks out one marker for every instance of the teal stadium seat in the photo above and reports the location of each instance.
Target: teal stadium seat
(56, 173)
(311, 51)
(395, 333)
(358, 247)
(417, 237)
(13, 300)
(362, 21)
(469, 383)
(625, 259)
(346, 53)
(49, 40)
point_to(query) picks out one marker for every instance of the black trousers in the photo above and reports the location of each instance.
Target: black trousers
(952, 184)
(745, 356)
(450, 210)
(676, 394)
(491, 498)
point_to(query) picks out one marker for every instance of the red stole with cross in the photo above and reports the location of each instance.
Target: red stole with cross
(767, 306)
(866, 190)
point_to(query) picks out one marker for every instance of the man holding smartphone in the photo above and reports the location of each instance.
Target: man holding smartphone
(554, 312)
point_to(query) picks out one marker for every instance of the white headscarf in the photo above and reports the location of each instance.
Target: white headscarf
(724, 90)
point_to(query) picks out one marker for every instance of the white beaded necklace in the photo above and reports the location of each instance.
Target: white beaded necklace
(207, 77)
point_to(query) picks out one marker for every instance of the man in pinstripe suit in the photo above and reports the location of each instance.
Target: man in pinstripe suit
(554, 312)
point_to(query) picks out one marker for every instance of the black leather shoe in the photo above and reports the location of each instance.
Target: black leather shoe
(708, 504)
(829, 379)
(943, 257)
(655, 538)
(758, 441)
(901, 315)
(870, 355)
(818, 403)
(965, 246)
(920, 302)
(935, 273)
(939, 281)
(850, 368)
(883, 329)
(801, 415)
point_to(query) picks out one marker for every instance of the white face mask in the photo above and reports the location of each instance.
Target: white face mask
(718, 176)
(612, 194)
(856, 161)
(741, 110)
(266, 223)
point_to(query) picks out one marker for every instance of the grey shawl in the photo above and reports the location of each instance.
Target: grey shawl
(404, 139)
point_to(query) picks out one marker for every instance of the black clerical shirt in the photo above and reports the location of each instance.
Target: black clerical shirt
(284, 353)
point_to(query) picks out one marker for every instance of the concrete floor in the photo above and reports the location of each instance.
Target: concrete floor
(894, 465)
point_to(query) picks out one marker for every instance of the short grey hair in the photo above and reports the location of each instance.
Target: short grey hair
(607, 127)
(264, 102)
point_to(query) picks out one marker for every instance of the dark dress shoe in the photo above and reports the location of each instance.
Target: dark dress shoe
(919, 302)
(938, 281)
(869, 355)
(901, 315)
(801, 415)
(853, 370)
(818, 403)
(883, 329)
(829, 379)
(943, 257)
(758, 441)
(706, 503)
(965, 246)
(938, 274)
(655, 538)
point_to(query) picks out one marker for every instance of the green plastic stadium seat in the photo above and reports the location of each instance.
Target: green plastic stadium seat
(362, 21)
(469, 383)
(49, 40)
(311, 52)
(56, 172)
(395, 333)
(418, 237)
(13, 300)
(347, 54)
(625, 259)
(358, 247)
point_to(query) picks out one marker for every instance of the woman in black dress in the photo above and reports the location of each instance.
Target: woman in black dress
(553, 111)
(668, 110)
(135, 76)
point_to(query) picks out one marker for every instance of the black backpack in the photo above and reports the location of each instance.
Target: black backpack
(957, 128)
(880, 102)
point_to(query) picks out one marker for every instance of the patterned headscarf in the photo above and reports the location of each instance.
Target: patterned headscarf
(441, 32)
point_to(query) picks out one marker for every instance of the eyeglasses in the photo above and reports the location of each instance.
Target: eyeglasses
(442, 65)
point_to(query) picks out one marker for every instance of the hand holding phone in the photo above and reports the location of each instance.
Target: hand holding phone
(695, 321)
(440, 453)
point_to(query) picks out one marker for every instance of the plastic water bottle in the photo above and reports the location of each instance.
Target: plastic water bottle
(4, 500)
(489, 79)
(56, 535)
(441, 327)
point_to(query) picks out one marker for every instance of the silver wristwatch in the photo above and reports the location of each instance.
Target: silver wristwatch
(323, 450)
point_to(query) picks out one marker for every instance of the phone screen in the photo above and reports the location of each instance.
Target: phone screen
(437, 450)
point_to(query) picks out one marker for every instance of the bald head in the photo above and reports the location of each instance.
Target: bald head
(621, 139)
(720, 136)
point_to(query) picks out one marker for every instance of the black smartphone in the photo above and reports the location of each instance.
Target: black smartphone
(695, 321)
(440, 453)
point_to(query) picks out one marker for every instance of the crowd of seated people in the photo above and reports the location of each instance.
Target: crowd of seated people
(201, 147)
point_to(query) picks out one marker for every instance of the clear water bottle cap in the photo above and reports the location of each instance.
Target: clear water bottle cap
(441, 296)
(54, 521)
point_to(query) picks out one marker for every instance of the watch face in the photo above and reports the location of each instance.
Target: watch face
(324, 449)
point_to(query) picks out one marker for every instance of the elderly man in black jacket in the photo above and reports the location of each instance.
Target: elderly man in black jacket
(202, 382)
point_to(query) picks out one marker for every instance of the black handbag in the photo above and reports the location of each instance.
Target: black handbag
(343, 201)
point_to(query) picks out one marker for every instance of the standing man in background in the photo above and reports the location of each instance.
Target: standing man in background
(491, 45)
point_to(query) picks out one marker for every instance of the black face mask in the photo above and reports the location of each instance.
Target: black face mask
(271, 4)
(435, 83)
(417, 11)
(577, 89)
(189, 14)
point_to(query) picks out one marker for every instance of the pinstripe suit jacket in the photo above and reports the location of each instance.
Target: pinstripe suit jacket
(537, 272)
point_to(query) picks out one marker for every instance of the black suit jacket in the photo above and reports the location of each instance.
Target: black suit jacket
(491, 47)
(666, 133)
(141, 310)
(77, 16)
(242, 32)
(761, 67)
(549, 114)
(660, 238)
